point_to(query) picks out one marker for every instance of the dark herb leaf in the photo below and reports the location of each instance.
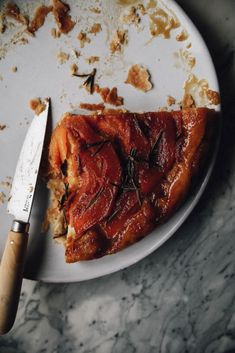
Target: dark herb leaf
(64, 167)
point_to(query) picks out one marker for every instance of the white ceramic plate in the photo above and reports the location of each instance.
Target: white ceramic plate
(39, 74)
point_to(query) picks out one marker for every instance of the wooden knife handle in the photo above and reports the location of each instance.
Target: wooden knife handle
(11, 273)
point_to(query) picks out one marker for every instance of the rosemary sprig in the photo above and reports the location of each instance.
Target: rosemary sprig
(109, 219)
(100, 145)
(129, 183)
(95, 198)
(90, 80)
(64, 196)
(153, 152)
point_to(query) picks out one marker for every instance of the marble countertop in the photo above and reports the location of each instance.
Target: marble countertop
(182, 297)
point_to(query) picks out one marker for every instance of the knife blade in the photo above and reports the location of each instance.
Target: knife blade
(24, 182)
(20, 205)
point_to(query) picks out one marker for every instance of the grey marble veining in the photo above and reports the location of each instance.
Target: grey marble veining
(182, 297)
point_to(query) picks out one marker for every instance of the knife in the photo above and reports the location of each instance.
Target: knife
(20, 205)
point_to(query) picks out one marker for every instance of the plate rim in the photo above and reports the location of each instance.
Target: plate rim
(195, 199)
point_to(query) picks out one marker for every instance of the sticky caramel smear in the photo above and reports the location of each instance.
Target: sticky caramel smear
(199, 90)
(162, 23)
(139, 78)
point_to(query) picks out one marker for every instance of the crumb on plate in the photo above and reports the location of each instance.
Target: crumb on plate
(13, 68)
(110, 96)
(151, 4)
(73, 69)
(95, 28)
(183, 35)
(213, 96)
(55, 33)
(62, 17)
(2, 127)
(2, 197)
(13, 11)
(62, 57)
(37, 105)
(131, 17)
(96, 10)
(188, 101)
(2, 23)
(92, 59)
(139, 77)
(119, 38)
(170, 100)
(38, 20)
(83, 38)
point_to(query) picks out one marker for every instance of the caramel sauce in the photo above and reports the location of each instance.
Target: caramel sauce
(39, 18)
(162, 23)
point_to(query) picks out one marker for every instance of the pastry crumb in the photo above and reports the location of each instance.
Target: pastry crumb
(55, 33)
(139, 77)
(6, 184)
(92, 59)
(96, 10)
(62, 57)
(92, 106)
(63, 19)
(39, 18)
(142, 9)
(189, 45)
(119, 39)
(13, 11)
(2, 23)
(213, 96)
(182, 36)
(170, 100)
(73, 69)
(2, 127)
(83, 38)
(131, 17)
(110, 96)
(14, 69)
(188, 101)
(2, 197)
(95, 28)
(37, 105)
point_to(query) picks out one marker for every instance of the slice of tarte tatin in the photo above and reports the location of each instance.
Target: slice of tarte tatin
(114, 178)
